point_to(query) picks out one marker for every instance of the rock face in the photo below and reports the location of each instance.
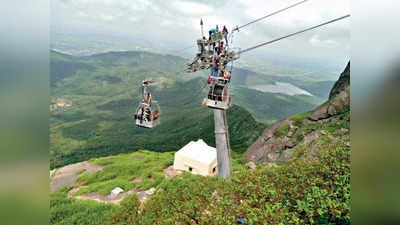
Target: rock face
(339, 98)
(269, 147)
(280, 139)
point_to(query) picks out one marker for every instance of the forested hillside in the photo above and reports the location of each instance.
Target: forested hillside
(302, 175)
(95, 97)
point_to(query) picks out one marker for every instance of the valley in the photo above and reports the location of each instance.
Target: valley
(96, 96)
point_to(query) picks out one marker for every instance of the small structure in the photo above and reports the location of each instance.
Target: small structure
(198, 158)
(116, 191)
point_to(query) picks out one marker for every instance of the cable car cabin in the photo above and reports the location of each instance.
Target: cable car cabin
(218, 95)
(147, 116)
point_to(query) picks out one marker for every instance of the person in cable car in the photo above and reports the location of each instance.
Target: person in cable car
(147, 114)
(210, 80)
(148, 98)
(227, 75)
(220, 47)
(225, 33)
(209, 43)
(215, 69)
(140, 114)
(210, 93)
(156, 114)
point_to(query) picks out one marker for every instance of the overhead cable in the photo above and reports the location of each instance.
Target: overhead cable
(293, 34)
(269, 15)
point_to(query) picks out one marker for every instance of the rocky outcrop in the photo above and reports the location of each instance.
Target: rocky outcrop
(278, 141)
(339, 98)
(270, 146)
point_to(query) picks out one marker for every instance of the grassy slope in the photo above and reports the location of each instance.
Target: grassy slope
(301, 192)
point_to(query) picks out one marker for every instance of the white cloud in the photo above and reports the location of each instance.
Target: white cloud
(317, 42)
(106, 17)
(176, 22)
(192, 8)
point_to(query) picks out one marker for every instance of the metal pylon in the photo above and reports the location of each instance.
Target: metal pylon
(222, 143)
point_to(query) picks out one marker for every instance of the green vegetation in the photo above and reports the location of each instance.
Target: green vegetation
(271, 107)
(66, 211)
(302, 192)
(316, 192)
(122, 170)
(139, 170)
(99, 122)
(282, 131)
(298, 118)
(80, 171)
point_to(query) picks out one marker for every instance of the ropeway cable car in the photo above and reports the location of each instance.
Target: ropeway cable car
(214, 53)
(218, 96)
(148, 112)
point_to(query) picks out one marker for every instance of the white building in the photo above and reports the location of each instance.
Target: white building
(198, 158)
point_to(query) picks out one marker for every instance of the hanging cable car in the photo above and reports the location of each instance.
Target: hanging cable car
(148, 112)
(219, 96)
(214, 53)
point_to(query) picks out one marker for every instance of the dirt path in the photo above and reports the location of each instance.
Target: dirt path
(67, 175)
(142, 195)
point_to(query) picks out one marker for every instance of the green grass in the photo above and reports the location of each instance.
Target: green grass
(121, 170)
(282, 131)
(300, 192)
(80, 172)
(298, 118)
(65, 211)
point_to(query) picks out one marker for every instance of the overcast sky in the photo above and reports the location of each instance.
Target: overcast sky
(175, 23)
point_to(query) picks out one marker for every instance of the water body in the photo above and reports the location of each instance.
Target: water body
(282, 88)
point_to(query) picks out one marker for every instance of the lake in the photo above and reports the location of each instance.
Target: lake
(280, 87)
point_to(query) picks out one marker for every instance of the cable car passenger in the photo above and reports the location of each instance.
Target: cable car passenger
(140, 114)
(147, 116)
(156, 114)
(210, 80)
(210, 93)
(225, 32)
(148, 98)
(227, 75)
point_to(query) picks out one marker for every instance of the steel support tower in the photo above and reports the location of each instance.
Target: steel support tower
(222, 143)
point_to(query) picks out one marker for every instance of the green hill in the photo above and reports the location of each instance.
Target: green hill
(94, 98)
(311, 185)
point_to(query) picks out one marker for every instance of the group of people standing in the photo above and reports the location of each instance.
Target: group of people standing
(213, 52)
(220, 55)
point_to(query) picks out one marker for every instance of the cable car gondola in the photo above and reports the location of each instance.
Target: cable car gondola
(218, 96)
(148, 112)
